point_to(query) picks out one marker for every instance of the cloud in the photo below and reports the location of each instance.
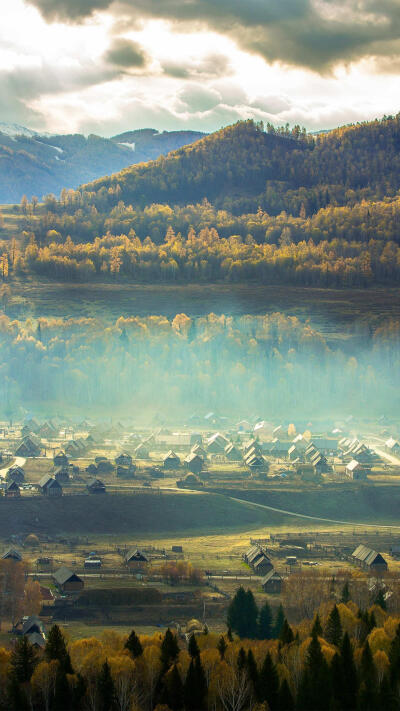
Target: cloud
(125, 53)
(313, 33)
(195, 98)
(210, 66)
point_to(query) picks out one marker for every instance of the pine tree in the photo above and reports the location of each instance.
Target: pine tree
(268, 683)
(229, 633)
(241, 659)
(16, 696)
(193, 647)
(265, 622)
(133, 645)
(317, 627)
(56, 648)
(387, 699)
(243, 614)
(23, 660)
(394, 659)
(315, 687)
(345, 596)
(285, 698)
(169, 649)
(174, 689)
(222, 646)
(286, 636)
(333, 628)
(251, 616)
(62, 692)
(252, 671)
(105, 688)
(195, 687)
(349, 690)
(368, 690)
(279, 620)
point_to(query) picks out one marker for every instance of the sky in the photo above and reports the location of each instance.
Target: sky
(107, 66)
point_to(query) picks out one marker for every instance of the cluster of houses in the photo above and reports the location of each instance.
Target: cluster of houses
(257, 559)
(357, 457)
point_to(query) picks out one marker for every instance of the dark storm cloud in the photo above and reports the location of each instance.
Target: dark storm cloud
(124, 53)
(213, 65)
(312, 33)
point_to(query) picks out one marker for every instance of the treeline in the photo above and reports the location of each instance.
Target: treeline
(345, 658)
(271, 364)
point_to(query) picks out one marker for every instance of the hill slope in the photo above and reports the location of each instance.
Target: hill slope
(241, 165)
(34, 164)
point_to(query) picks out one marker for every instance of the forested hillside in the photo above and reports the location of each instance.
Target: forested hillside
(243, 204)
(36, 164)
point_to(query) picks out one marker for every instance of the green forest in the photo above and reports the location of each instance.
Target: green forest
(243, 204)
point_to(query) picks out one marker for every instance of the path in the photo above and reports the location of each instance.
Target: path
(313, 518)
(18, 462)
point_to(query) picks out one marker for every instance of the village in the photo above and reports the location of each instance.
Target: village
(90, 580)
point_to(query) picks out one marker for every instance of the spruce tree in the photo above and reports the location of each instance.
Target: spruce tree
(62, 692)
(286, 635)
(387, 698)
(265, 622)
(105, 688)
(241, 659)
(394, 659)
(23, 660)
(333, 628)
(195, 687)
(174, 689)
(243, 614)
(229, 634)
(268, 683)
(134, 645)
(345, 596)
(285, 698)
(279, 620)
(315, 687)
(349, 690)
(169, 650)
(56, 648)
(252, 671)
(368, 690)
(193, 647)
(317, 627)
(337, 681)
(222, 646)
(16, 696)
(251, 616)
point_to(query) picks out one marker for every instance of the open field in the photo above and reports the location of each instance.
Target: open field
(333, 311)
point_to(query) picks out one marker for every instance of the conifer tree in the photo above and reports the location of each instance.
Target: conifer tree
(380, 600)
(394, 660)
(134, 645)
(265, 622)
(286, 636)
(193, 647)
(285, 698)
(345, 596)
(252, 671)
(23, 660)
(16, 696)
(349, 689)
(333, 628)
(222, 646)
(174, 689)
(169, 649)
(315, 687)
(105, 688)
(56, 648)
(243, 614)
(241, 659)
(268, 683)
(279, 620)
(317, 627)
(368, 690)
(195, 687)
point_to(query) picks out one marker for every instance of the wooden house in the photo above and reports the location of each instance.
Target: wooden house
(232, 453)
(392, 446)
(135, 556)
(194, 463)
(16, 473)
(141, 451)
(95, 486)
(171, 460)
(50, 487)
(126, 472)
(368, 559)
(12, 490)
(356, 470)
(61, 474)
(60, 459)
(67, 581)
(262, 565)
(199, 450)
(216, 443)
(29, 447)
(272, 582)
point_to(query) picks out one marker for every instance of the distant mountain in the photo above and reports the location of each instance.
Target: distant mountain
(37, 164)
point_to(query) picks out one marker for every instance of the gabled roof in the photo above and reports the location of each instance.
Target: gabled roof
(137, 555)
(12, 553)
(192, 457)
(368, 556)
(171, 455)
(36, 640)
(63, 575)
(353, 465)
(33, 623)
(271, 575)
(47, 481)
(12, 486)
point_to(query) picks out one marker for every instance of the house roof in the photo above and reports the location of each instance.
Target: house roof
(63, 575)
(12, 486)
(32, 622)
(353, 465)
(36, 639)
(171, 455)
(47, 482)
(12, 553)
(271, 575)
(95, 483)
(136, 554)
(368, 556)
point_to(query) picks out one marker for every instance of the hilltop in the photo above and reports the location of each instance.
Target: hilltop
(36, 164)
(242, 166)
